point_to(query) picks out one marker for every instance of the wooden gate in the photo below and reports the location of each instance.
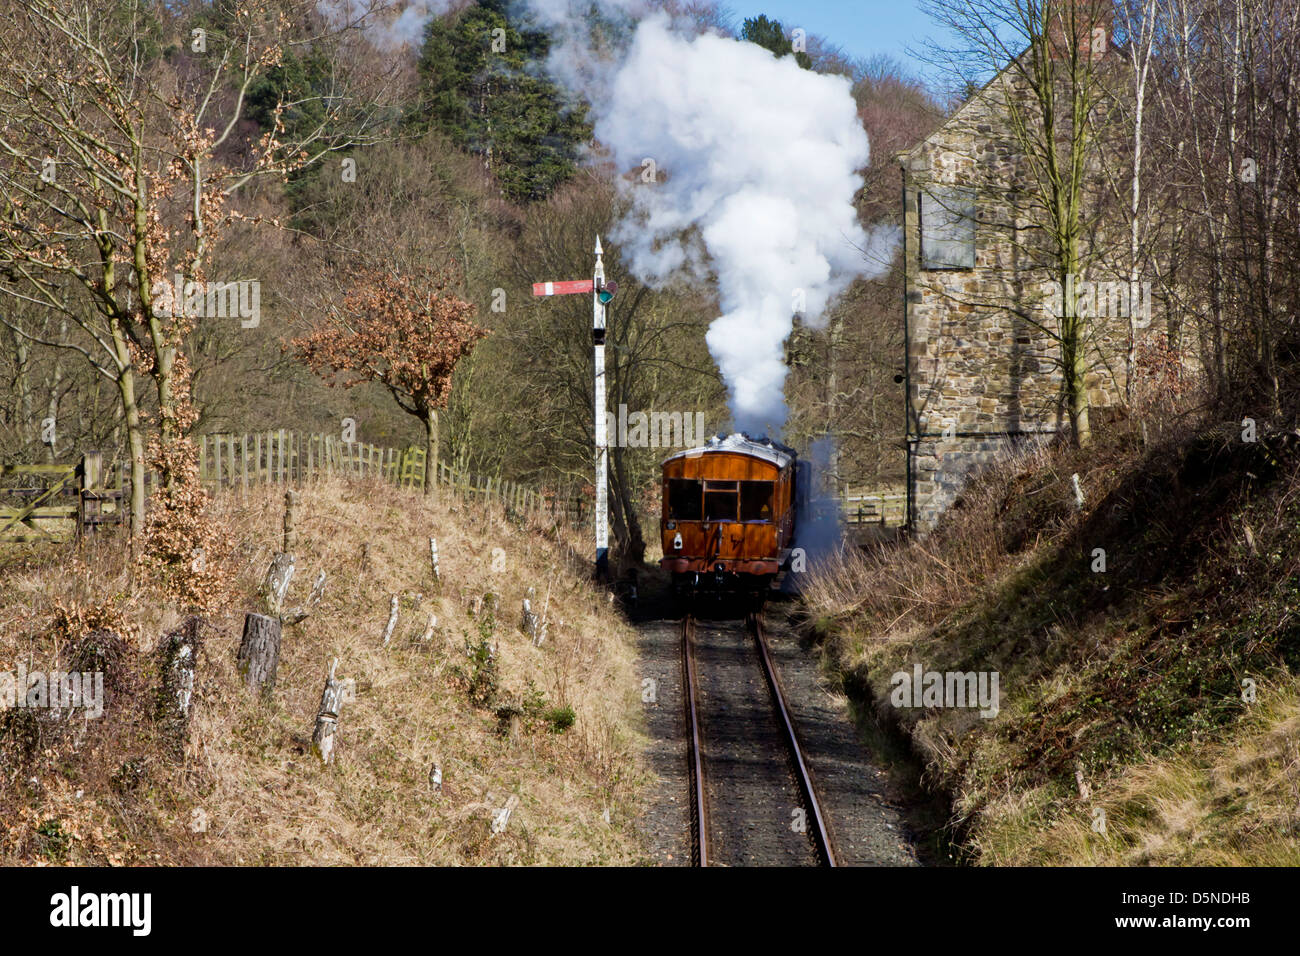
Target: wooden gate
(57, 502)
(35, 505)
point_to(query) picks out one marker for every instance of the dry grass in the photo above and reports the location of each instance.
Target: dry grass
(247, 781)
(1120, 690)
(914, 582)
(1228, 804)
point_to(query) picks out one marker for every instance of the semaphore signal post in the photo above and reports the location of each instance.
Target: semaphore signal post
(601, 293)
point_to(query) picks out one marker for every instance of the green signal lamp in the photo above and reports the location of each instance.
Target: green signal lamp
(606, 292)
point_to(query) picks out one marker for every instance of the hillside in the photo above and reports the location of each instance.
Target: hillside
(1149, 711)
(548, 731)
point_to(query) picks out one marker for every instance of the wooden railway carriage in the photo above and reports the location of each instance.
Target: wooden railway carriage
(729, 513)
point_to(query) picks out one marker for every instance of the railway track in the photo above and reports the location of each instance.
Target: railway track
(753, 801)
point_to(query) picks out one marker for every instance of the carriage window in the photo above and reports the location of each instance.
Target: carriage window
(684, 498)
(721, 500)
(756, 501)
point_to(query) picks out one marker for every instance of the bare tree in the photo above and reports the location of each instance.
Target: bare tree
(1042, 60)
(116, 178)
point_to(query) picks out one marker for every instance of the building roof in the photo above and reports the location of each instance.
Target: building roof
(904, 157)
(740, 443)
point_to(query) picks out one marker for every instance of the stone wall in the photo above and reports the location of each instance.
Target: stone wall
(982, 366)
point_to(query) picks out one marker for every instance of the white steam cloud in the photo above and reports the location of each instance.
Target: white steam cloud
(757, 163)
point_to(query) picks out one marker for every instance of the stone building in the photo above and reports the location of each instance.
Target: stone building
(982, 371)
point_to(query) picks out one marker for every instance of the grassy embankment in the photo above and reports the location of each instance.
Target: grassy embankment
(1126, 734)
(549, 730)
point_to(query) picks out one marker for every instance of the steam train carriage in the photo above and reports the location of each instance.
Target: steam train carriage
(729, 513)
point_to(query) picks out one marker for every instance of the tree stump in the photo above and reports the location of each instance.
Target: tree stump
(530, 620)
(278, 577)
(259, 652)
(327, 717)
(392, 620)
(178, 654)
(298, 614)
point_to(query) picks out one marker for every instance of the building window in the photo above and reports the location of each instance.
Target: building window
(947, 215)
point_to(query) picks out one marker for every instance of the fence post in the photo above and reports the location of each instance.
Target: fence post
(92, 466)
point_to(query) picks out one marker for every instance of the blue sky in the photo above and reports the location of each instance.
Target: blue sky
(860, 27)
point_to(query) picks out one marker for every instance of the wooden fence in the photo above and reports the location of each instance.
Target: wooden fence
(284, 457)
(54, 503)
(873, 506)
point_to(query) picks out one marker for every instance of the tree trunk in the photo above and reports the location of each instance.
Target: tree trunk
(21, 382)
(1074, 362)
(627, 526)
(259, 652)
(431, 452)
(135, 445)
(1074, 357)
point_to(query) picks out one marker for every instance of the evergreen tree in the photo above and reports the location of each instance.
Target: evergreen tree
(481, 84)
(771, 35)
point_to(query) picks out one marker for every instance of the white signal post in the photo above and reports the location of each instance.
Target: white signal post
(598, 288)
(602, 440)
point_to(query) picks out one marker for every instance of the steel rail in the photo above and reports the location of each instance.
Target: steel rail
(821, 836)
(695, 756)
